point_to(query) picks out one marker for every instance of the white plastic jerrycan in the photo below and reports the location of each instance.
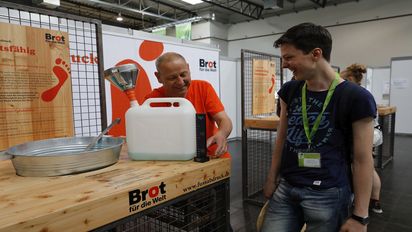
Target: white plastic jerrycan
(161, 129)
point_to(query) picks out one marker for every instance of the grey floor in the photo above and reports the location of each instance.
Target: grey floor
(396, 193)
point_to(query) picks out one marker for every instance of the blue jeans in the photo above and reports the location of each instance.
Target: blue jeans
(322, 210)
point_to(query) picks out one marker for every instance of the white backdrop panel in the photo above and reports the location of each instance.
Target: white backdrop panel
(401, 94)
(118, 47)
(228, 74)
(380, 80)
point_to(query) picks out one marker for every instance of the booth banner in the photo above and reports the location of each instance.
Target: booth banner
(160, 31)
(184, 31)
(35, 86)
(203, 64)
(263, 83)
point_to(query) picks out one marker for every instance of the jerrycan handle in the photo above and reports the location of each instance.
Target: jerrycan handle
(171, 100)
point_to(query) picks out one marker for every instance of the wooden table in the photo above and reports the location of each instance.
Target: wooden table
(266, 123)
(86, 201)
(257, 146)
(272, 122)
(385, 152)
(386, 110)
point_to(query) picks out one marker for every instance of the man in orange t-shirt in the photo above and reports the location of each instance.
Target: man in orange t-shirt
(174, 74)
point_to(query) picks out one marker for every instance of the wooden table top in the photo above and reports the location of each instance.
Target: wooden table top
(266, 123)
(272, 122)
(89, 200)
(385, 110)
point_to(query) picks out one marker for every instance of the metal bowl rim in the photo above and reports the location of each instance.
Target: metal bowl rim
(119, 141)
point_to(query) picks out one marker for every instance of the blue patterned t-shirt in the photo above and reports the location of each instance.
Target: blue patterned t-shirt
(329, 138)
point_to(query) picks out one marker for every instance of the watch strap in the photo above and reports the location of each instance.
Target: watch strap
(361, 220)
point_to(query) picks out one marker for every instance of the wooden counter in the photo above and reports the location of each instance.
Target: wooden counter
(89, 200)
(385, 152)
(385, 110)
(272, 122)
(267, 123)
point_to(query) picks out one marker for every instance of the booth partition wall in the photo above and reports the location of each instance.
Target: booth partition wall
(86, 56)
(257, 140)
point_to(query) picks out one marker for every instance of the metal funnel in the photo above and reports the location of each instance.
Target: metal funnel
(123, 76)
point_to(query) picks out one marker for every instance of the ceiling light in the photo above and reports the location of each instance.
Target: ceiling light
(48, 3)
(213, 16)
(119, 17)
(193, 2)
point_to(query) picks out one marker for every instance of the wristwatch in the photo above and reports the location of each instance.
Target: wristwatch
(362, 220)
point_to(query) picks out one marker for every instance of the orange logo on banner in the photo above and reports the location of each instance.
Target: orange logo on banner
(149, 51)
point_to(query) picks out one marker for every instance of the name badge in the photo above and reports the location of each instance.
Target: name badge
(309, 159)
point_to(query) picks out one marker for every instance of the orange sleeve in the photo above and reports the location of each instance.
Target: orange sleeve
(148, 96)
(154, 94)
(212, 101)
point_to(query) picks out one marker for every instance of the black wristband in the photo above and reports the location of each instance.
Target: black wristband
(362, 220)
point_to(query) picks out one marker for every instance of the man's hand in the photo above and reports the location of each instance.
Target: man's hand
(224, 125)
(269, 188)
(221, 143)
(353, 226)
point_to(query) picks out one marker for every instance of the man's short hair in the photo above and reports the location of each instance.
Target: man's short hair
(306, 37)
(167, 57)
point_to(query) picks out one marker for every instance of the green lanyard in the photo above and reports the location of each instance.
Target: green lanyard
(310, 133)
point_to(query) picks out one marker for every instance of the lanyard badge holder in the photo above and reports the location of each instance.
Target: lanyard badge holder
(310, 158)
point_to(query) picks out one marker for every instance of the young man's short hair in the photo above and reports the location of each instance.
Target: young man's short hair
(306, 37)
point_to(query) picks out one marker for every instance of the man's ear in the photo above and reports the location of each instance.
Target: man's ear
(188, 68)
(158, 77)
(317, 53)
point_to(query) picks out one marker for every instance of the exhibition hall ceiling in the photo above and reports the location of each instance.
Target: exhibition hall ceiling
(147, 14)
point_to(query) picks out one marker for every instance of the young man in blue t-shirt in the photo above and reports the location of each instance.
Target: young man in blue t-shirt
(313, 144)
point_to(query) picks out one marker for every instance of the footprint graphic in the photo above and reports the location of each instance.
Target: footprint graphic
(273, 83)
(61, 75)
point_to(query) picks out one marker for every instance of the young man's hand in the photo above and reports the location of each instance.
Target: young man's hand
(269, 188)
(352, 225)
